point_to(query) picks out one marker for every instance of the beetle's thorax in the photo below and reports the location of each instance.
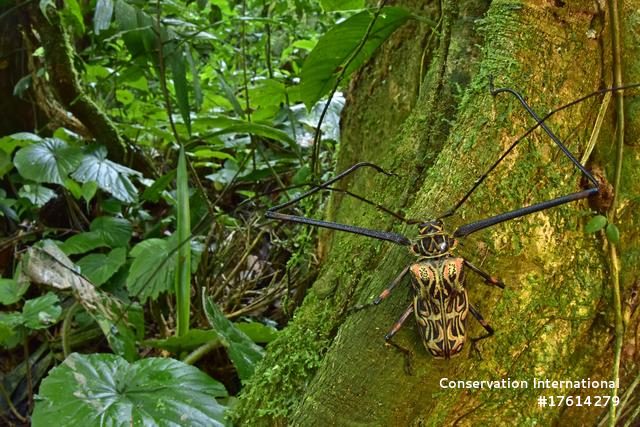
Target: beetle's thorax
(433, 241)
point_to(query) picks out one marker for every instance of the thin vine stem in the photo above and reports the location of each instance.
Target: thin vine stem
(613, 255)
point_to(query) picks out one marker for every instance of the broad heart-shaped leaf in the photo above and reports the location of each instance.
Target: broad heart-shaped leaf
(110, 176)
(50, 160)
(328, 58)
(243, 352)
(105, 390)
(99, 268)
(154, 267)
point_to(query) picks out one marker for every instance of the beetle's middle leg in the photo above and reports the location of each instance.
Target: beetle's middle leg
(408, 366)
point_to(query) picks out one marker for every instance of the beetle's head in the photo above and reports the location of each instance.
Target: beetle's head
(433, 241)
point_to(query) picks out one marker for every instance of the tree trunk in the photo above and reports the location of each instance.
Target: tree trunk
(422, 108)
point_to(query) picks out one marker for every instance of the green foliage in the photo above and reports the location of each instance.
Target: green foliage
(153, 269)
(331, 5)
(109, 176)
(596, 223)
(221, 80)
(104, 232)
(41, 312)
(99, 268)
(242, 351)
(50, 160)
(105, 387)
(37, 313)
(339, 46)
(38, 195)
(600, 222)
(11, 291)
(613, 233)
(183, 260)
(259, 333)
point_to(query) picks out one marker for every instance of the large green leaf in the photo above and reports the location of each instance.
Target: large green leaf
(177, 61)
(12, 290)
(338, 45)
(41, 312)
(21, 139)
(137, 28)
(115, 232)
(258, 332)
(109, 176)
(243, 352)
(99, 268)
(83, 242)
(39, 195)
(154, 267)
(72, 14)
(105, 390)
(50, 160)
(106, 231)
(102, 15)
(241, 126)
(333, 5)
(596, 223)
(11, 332)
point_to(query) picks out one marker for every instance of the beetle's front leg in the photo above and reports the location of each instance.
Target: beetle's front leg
(488, 279)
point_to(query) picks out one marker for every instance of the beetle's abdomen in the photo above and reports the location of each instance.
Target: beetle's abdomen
(440, 304)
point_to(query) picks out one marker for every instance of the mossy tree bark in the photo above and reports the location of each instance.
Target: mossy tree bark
(423, 109)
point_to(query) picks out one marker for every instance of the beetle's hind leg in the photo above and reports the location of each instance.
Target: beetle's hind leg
(474, 341)
(408, 355)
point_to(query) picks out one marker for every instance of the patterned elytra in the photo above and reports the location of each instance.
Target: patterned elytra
(440, 304)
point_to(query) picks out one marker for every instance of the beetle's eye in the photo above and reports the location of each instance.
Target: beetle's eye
(444, 246)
